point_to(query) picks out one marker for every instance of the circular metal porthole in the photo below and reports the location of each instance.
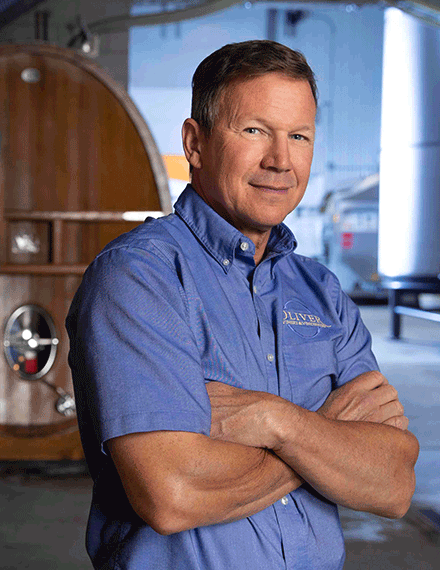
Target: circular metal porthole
(31, 75)
(30, 342)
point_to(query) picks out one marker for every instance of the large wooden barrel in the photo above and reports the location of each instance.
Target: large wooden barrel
(77, 161)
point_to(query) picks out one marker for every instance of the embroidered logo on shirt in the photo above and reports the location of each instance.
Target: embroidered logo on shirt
(301, 320)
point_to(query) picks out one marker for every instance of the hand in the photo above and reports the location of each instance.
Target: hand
(369, 398)
(241, 416)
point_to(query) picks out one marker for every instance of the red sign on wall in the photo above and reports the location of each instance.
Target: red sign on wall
(347, 240)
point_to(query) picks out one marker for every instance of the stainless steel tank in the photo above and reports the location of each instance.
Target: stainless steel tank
(409, 198)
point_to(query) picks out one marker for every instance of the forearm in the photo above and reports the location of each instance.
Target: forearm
(362, 465)
(350, 450)
(198, 481)
(234, 481)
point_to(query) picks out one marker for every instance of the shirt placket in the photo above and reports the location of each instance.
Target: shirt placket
(293, 534)
(260, 284)
(291, 523)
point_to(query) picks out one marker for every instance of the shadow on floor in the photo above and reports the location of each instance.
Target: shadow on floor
(43, 523)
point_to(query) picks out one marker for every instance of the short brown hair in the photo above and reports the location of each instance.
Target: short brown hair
(243, 60)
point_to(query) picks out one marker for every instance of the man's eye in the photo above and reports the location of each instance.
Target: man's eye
(297, 137)
(252, 130)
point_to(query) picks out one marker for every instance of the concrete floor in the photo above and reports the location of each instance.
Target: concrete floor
(43, 518)
(412, 365)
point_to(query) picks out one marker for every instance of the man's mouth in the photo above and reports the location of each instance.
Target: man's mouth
(270, 187)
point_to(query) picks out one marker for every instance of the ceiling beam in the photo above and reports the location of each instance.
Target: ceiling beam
(124, 22)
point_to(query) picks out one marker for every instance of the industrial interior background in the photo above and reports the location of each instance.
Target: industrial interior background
(93, 95)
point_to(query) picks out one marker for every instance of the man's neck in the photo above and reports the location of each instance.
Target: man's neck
(260, 240)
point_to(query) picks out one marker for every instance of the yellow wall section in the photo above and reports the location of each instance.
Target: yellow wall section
(177, 167)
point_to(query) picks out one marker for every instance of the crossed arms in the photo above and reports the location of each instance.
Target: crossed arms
(355, 450)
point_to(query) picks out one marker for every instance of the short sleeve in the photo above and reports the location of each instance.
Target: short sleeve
(354, 353)
(134, 359)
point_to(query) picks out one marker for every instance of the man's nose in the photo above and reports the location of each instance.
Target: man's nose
(277, 156)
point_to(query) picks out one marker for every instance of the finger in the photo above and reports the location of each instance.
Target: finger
(400, 422)
(369, 380)
(382, 395)
(383, 413)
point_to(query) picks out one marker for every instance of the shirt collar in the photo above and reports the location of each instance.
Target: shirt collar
(220, 238)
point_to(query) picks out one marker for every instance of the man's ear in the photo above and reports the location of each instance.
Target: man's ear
(192, 139)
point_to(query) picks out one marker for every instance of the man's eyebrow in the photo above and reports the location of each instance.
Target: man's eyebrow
(262, 121)
(304, 128)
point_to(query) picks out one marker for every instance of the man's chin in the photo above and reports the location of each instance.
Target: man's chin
(260, 228)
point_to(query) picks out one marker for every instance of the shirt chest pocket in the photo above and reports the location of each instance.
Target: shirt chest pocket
(311, 368)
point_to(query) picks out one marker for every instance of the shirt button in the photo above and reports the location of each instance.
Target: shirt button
(244, 246)
(254, 289)
(226, 262)
(270, 357)
(284, 500)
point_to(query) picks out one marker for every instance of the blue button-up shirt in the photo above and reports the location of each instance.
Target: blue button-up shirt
(178, 302)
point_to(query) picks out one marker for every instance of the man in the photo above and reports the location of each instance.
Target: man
(228, 398)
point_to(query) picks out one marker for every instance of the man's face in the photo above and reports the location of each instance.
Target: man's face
(254, 167)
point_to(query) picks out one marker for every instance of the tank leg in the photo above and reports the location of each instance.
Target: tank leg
(393, 301)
